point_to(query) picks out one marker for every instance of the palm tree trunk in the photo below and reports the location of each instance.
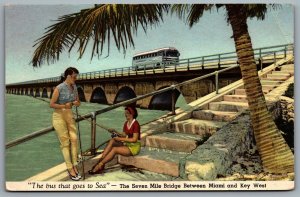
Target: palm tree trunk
(275, 154)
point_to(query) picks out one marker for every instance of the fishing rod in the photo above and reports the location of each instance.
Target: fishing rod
(112, 131)
(81, 154)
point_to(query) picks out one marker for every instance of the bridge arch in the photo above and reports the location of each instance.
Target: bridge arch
(37, 92)
(31, 92)
(51, 93)
(81, 94)
(163, 101)
(125, 93)
(98, 96)
(26, 91)
(44, 93)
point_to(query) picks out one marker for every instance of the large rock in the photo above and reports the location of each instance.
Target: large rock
(287, 106)
(215, 156)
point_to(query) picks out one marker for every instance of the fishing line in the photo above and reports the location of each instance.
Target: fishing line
(81, 155)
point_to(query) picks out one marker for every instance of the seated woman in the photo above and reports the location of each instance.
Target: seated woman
(126, 143)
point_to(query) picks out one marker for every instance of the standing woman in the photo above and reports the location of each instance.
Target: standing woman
(65, 95)
(128, 144)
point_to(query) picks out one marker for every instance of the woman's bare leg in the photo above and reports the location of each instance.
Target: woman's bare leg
(121, 150)
(112, 143)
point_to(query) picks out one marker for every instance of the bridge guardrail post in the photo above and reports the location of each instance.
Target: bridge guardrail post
(203, 63)
(219, 61)
(217, 82)
(285, 49)
(173, 100)
(188, 64)
(260, 63)
(93, 133)
(274, 57)
(259, 53)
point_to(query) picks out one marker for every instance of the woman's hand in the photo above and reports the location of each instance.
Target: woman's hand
(68, 105)
(76, 103)
(118, 139)
(112, 130)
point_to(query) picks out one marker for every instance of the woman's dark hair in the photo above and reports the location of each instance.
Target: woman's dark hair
(68, 71)
(132, 110)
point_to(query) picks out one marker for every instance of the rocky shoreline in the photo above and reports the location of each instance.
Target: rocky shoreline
(248, 167)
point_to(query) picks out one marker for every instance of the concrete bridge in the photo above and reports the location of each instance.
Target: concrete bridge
(116, 89)
(116, 85)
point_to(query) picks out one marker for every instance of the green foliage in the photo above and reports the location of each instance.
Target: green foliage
(121, 21)
(98, 23)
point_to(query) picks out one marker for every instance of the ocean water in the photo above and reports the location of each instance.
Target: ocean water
(24, 115)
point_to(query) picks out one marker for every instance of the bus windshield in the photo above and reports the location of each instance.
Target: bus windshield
(172, 53)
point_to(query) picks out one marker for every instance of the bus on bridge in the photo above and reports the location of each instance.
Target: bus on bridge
(155, 58)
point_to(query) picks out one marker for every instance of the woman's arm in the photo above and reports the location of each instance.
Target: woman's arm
(77, 100)
(53, 100)
(120, 134)
(133, 139)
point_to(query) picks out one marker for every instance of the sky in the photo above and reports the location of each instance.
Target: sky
(211, 35)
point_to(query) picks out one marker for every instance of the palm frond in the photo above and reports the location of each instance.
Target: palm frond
(255, 10)
(193, 11)
(97, 24)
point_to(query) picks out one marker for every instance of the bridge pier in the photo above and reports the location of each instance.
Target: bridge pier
(88, 90)
(111, 91)
(142, 88)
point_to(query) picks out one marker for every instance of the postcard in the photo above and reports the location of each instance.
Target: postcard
(149, 97)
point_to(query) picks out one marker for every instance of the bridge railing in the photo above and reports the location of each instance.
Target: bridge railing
(196, 63)
(262, 55)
